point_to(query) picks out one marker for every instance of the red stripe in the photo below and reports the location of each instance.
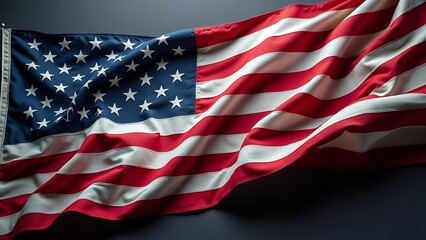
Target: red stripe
(298, 42)
(419, 90)
(226, 32)
(18, 169)
(267, 137)
(12, 205)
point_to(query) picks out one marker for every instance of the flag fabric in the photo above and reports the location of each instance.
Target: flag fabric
(121, 126)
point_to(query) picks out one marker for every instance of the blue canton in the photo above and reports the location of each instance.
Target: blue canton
(64, 83)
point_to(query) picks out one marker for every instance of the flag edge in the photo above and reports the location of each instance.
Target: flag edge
(5, 81)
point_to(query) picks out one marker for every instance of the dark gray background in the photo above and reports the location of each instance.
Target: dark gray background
(291, 204)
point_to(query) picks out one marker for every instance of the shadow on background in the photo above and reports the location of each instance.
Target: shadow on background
(294, 203)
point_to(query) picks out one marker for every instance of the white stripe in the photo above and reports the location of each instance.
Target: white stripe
(323, 22)
(147, 158)
(22, 186)
(286, 121)
(362, 142)
(406, 6)
(372, 6)
(321, 86)
(403, 83)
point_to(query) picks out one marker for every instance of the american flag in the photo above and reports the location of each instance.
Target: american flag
(120, 126)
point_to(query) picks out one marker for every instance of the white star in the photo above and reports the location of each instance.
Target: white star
(49, 57)
(86, 85)
(32, 65)
(78, 77)
(64, 69)
(132, 66)
(31, 90)
(64, 44)
(177, 76)
(114, 109)
(95, 43)
(130, 95)
(161, 91)
(57, 119)
(34, 44)
(60, 111)
(99, 96)
(102, 71)
(111, 56)
(176, 102)
(95, 68)
(178, 51)
(46, 102)
(162, 39)
(29, 112)
(60, 87)
(43, 123)
(147, 52)
(161, 64)
(81, 57)
(145, 106)
(115, 81)
(46, 75)
(83, 113)
(64, 117)
(145, 79)
(128, 44)
(99, 111)
(119, 58)
(73, 97)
